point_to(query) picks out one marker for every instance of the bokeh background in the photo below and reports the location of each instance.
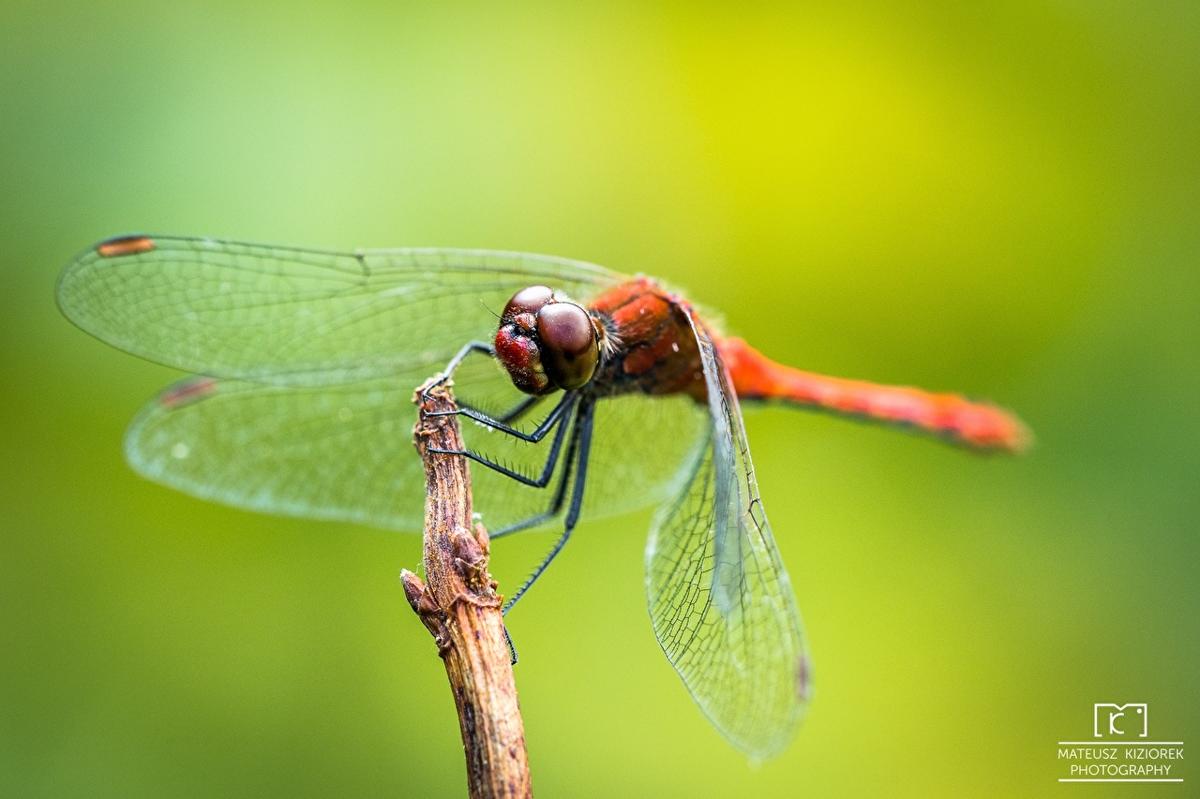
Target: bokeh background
(997, 200)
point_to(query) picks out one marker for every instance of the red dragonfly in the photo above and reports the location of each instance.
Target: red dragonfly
(304, 362)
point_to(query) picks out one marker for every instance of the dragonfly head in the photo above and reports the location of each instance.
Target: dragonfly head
(546, 342)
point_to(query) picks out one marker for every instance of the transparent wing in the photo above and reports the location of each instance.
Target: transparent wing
(298, 316)
(345, 451)
(339, 452)
(720, 600)
(641, 447)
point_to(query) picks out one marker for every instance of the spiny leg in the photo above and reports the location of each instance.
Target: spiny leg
(584, 423)
(555, 505)
(459, 357)
(499, 422)
(512, 648)
(559, 416)
(505, 418)
(520, 409)
(495, 424)
(560, 493)
(512, 414)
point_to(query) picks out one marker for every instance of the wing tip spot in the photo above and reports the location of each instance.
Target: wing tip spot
(803, 678)
(188, 392)
(125, 245)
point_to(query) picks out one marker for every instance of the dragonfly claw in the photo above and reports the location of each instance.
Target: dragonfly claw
(428, 392)
(512, 648)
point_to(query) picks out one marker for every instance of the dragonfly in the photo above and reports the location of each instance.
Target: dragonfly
(302, 367)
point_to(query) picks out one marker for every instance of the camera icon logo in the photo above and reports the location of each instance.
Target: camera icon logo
(1120, 721)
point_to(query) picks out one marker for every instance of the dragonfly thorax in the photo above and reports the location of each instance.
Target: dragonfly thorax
(547, 342)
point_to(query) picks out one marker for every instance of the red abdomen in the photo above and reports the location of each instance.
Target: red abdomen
(655, 352)
(975, 424)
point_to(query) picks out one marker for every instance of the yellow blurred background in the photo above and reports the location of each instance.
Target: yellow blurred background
(997, 200)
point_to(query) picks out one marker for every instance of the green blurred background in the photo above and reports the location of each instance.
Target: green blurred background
(1001, 201)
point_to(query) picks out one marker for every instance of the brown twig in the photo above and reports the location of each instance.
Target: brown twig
(460, 606)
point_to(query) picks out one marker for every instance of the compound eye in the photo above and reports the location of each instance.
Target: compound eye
(569, 349)
(528, 300)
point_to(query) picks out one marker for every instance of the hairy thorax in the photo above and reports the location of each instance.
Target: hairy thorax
(650, 344)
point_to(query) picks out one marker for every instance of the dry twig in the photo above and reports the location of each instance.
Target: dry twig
(460, 606)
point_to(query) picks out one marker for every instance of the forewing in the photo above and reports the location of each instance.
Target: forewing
(720, 600)
(286, 315)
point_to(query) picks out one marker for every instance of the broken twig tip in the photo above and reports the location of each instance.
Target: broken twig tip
(414, 588)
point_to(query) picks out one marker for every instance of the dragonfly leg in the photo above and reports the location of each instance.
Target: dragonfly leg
(459, 357)
(584, 423)
(556, 418)
(517, 411)
(506, 418)
(556, 503)
(511, 415)
(538, 433)
(512, 648)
